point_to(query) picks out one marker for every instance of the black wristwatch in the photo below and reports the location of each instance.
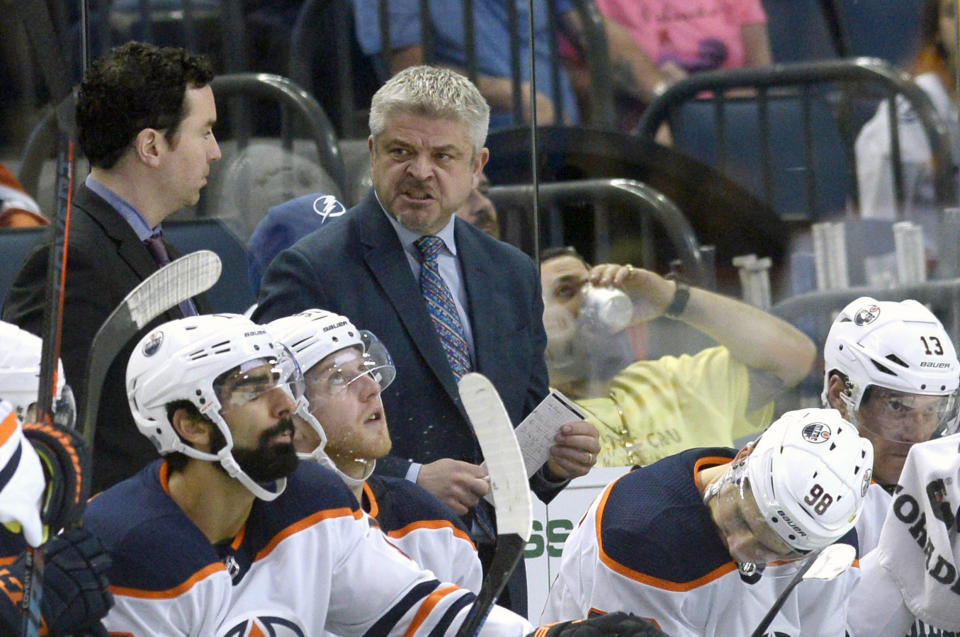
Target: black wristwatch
(680, 297)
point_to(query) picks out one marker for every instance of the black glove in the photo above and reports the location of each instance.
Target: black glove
(75, 595)
(66, 463)
(609, 625)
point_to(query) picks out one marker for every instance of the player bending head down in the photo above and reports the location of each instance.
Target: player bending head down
(797, 488)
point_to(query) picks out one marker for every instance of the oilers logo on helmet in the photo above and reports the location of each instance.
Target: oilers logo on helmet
(153, 343)
(866, 315)
(816, 432)
(264, 625)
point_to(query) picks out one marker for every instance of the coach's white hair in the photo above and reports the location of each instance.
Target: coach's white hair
(432, 92)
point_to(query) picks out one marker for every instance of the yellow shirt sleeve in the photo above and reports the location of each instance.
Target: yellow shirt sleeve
(660, 407)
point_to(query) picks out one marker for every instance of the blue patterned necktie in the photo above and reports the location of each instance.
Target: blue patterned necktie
(442, 309)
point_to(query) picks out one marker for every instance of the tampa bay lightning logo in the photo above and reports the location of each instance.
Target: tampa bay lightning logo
(866, 315)
(816, 432)
(152, 344)
(327, 207)
(255, 625)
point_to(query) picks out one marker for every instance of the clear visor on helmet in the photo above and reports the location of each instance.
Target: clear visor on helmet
(256, 377)
(743, 528)
(335, 373)
(904, 417)
(64, 409)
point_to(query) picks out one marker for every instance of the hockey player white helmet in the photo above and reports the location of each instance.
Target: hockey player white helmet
(900, 346)
(20, 376)
(312, 336)
(808, 473)
(187, 360)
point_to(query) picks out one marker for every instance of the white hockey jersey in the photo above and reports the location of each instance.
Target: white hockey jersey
(305, 563)
(425, 529)
(910, 580)
(648, 546)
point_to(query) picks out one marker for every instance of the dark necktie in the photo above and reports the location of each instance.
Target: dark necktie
(442, 309)
(159, 251)
(161, 257)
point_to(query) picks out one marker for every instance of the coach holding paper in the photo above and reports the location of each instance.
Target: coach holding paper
(444, 297)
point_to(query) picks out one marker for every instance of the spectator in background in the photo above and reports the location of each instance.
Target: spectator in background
(681, 37)
(634, 72)
(649, 409)
(17, 208)
(284, 225)
(480, 211)
(933, 70)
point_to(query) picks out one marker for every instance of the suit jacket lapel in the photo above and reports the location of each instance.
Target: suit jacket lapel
(388, 263)
(129, 246)
(480, 282)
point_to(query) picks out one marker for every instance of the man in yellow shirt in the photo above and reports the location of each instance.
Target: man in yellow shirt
(648, 409)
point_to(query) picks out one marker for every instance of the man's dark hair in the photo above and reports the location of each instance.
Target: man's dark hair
(132, 87)
(561, 251)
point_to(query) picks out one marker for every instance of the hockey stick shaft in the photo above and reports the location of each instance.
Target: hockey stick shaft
(509, 486)
(829, 563)
(778, 604)
(163, 290)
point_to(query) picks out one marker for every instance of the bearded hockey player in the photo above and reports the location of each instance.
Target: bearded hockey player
(229, 533)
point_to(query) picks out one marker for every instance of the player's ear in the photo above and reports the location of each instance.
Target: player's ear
(835, 387)
(193, 429)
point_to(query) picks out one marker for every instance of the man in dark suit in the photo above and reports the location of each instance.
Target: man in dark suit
(145, 117)
(373, 265)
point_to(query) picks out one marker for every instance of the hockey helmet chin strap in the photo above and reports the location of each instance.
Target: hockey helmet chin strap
(320, 456)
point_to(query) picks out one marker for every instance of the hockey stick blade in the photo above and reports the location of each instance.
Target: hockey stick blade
(166, 288)
(509, 486)
(829, 563)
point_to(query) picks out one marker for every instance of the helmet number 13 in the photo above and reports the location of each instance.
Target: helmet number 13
(933, 342)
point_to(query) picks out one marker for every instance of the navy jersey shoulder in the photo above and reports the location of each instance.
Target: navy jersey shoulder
(153, 544)
(401, 503)
(654, 521)
(156, 547)
(311, 489)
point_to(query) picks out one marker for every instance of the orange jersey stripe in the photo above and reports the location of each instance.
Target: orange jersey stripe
(170, 593)
(426, 607)
(326, 514)
(8, 427)
(431, 524)
(617, 567)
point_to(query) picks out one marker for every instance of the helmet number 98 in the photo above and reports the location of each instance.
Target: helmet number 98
(819, 500)
(934, 342)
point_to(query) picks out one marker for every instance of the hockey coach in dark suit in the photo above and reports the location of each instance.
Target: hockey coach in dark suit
(444, 297)
(144, 119)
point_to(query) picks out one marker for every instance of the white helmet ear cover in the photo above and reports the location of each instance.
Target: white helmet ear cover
(809, 473)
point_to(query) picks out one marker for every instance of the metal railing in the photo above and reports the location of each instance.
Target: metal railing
(606, 195)
(837, 84)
